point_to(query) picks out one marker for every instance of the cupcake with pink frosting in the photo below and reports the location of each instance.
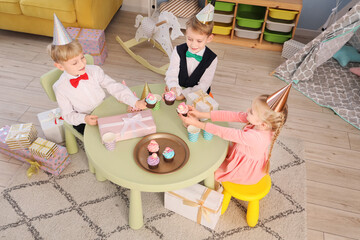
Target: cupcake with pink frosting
(153, 161)
(182, 109)
(168, 154)
(169, 98)
(150, 100)
(153, 147)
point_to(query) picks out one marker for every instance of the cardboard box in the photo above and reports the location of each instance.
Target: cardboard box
(128, 125)
(197, 203)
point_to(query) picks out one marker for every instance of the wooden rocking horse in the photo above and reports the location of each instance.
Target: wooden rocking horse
(157, 30)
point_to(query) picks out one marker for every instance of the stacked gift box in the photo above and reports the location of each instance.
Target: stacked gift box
(21, 136)
(50, 157)
(92, 41)
(197, 203)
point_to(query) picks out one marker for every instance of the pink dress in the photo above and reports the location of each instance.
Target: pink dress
(247, 155)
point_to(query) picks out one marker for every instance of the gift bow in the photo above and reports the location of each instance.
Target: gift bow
(43, 145)
(55, 115)
(201, 98)
(132, 122)
(33, 169)
(203, 211)
(19, 132)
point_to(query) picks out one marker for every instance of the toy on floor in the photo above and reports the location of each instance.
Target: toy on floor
(157, 30)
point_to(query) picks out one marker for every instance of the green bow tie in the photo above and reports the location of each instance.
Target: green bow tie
(192, 55)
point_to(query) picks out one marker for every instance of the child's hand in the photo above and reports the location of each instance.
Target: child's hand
(181, 97)
(195, 113)
(189, 120)
(91, 119)
(140, 104)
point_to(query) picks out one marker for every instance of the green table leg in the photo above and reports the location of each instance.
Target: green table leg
(210, 181)
(135, 212)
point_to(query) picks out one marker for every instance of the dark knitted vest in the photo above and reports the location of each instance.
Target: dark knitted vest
(189, 81)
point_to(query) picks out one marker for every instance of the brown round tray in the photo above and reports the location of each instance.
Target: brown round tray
(164, 140)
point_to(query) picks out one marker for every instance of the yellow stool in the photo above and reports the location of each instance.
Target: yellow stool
(250, 193)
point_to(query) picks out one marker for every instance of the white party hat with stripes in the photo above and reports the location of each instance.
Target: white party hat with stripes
(206, 14)
(60, 36)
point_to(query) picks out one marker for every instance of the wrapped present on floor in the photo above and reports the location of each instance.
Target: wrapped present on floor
(54, 164)
(201, 101)
(21, 136)
(197, 203)
(92, 41)
(42, 148)
(128, 125)
(52, 125)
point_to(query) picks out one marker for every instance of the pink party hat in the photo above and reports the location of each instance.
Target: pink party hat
(60, 36)
(277, 100)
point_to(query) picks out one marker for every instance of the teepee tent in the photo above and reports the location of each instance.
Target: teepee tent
(320, 77)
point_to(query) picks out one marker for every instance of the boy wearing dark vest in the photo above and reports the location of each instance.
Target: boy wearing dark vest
(192, 64)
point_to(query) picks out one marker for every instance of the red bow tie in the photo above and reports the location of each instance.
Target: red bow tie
(75, 81)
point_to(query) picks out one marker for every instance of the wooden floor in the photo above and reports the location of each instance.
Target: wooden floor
(332, 146)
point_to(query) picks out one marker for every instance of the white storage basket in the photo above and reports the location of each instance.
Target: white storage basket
(278, 26)
(290, 48)
(244, 33)
(223, 17)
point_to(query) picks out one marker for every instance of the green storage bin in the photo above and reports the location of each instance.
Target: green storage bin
(250, 16)
(224, 6)
(276, 37)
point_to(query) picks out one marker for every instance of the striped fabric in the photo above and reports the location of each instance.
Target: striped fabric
(181, 8)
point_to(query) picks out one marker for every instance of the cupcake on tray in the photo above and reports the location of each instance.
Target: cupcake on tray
(153, 161)
(153, 147)
(182, 109)
(168, 154)
(169, 98)
(150, 100)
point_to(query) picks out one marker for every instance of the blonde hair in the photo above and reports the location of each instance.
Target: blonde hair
(197, 26)
(62, 53)
(275, 121)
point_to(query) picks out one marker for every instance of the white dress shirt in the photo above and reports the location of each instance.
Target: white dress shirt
(76, 103)
(172, 74)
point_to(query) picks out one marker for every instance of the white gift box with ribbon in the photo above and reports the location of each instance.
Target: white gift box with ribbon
(52, 125)
(197, 203)
(201, 101)
(128, 125)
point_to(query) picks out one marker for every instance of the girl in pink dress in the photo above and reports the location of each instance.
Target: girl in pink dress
(248, 157)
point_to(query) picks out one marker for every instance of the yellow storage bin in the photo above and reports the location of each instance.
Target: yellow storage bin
(282, 14)
(222, 28)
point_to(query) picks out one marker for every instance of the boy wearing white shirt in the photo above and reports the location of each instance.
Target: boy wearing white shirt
(192, 64)
(80, 88)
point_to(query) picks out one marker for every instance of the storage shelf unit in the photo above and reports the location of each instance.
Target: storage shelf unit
(260, 43)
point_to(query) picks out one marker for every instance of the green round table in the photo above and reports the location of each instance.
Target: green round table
(120, 167)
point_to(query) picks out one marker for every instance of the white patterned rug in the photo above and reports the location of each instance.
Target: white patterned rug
(76, 206)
